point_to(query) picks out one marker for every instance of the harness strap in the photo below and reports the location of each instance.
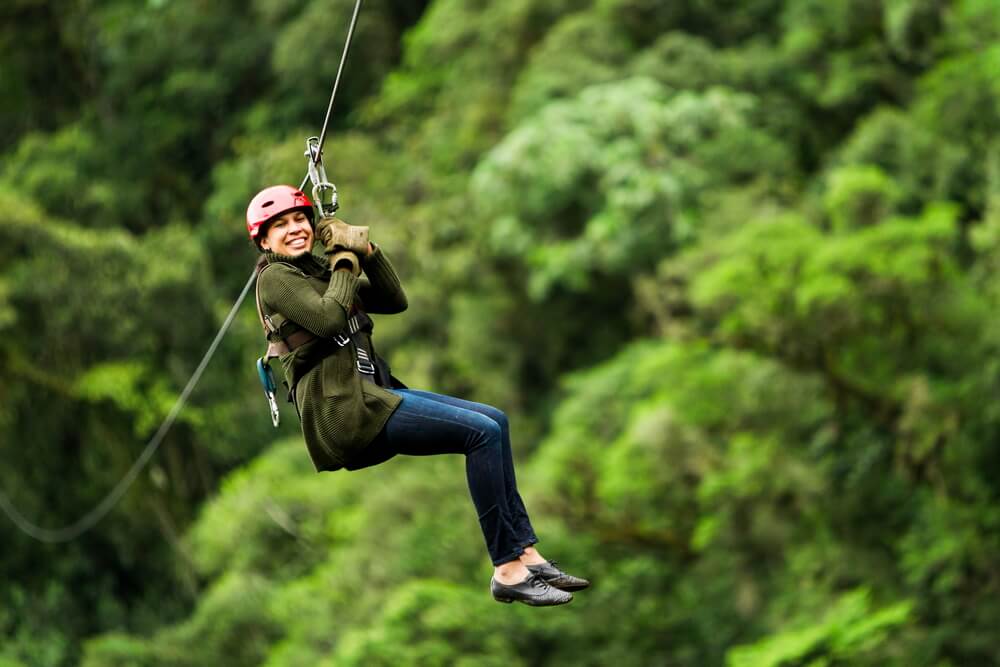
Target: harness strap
(360, 322)
(364, 363)
(274, 348)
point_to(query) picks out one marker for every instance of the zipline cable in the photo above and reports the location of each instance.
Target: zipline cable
(89, 520)
(336, 84)
(336, 81)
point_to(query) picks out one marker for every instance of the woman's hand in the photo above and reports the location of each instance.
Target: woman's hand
(345, 260)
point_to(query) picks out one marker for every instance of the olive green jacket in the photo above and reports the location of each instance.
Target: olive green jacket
(339, 412)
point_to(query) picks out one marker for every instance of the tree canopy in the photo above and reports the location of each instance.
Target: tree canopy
(731, 267)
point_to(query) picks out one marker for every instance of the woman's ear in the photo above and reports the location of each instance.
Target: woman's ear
(264, 245)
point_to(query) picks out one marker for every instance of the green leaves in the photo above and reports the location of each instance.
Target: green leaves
(860, 196)
(785, 287)
(608, 182)
(850, 632)
(731, 267)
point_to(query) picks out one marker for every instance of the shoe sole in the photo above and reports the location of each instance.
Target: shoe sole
(570, 589)
(532, 603)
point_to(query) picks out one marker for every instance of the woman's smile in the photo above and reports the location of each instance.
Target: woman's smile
(289, 234)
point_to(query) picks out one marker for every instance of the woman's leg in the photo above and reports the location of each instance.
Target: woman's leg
(519, 515)
(425, 425)
(422, 427)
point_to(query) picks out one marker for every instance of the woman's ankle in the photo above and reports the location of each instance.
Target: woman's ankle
(511, 572)
(531, 557)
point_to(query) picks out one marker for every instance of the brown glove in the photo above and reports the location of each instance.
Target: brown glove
(345, 260)
(337, 235)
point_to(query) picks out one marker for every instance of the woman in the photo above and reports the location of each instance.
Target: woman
(355, 414)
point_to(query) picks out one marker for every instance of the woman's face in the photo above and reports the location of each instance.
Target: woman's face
(289, 234)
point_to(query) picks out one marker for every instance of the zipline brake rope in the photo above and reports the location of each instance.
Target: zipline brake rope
(91, 518)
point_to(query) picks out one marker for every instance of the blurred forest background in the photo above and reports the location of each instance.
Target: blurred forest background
(731, 266)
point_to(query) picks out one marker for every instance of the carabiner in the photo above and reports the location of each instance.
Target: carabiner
(327, 209)
(266, 376)
(317, 174)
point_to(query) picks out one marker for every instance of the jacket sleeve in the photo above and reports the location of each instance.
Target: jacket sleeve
(289, 293)
(381, 292)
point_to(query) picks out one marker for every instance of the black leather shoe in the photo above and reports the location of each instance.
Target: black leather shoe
(533, 590)
(553, 576)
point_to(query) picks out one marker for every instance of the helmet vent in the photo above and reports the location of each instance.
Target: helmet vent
(267, 203)
(298, 193)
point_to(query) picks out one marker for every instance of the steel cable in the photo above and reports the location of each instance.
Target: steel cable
(336, 84)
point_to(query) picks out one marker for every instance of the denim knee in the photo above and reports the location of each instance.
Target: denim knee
(497, 416)
(490, 431)
(500, 417)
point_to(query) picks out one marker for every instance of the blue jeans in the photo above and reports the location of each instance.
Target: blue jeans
(426, 423)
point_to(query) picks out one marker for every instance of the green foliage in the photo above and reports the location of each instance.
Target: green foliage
(607, 183)
(785, 287)
(848, 633)
(860, 196)
(231, 626)
(428, 623)
(731, 266)
(581, 50)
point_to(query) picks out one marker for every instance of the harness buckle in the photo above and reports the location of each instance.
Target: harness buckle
(365, 364)
(341, 339)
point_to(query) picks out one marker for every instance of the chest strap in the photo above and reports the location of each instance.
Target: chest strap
(296, 339)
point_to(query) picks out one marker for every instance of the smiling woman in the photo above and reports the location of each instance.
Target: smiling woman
(354, 413)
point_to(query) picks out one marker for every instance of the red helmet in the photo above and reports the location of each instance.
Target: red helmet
(274, 201)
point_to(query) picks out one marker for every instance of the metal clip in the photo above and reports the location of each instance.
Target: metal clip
(341, 339)
(267, 380)
(317, 174)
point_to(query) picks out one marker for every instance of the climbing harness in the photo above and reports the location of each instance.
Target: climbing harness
(321, 186)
